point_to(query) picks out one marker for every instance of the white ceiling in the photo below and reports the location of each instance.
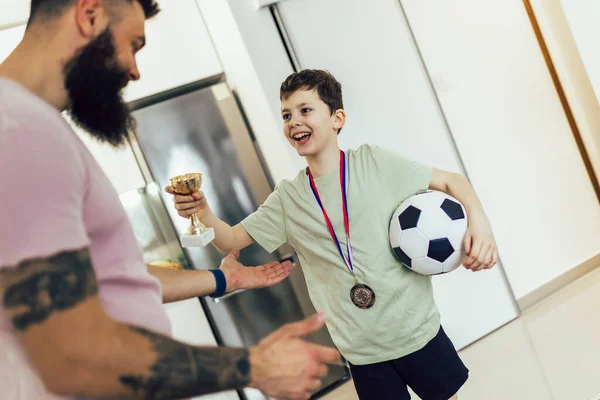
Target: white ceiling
(13, 12)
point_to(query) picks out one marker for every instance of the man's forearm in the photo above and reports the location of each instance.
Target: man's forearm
(183, 284)
(128, 362)
(152, 366)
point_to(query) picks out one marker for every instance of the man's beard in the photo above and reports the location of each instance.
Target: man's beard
(94, 82)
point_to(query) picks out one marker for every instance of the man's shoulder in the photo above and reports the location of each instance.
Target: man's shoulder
(21, 109)
(28, 123)
(35, 140)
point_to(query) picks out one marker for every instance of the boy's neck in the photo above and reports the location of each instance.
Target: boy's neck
(325, 162)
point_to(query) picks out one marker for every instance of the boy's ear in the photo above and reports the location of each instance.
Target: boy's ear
(339, 119)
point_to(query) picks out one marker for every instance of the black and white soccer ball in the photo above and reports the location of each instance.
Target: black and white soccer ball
(427, 233)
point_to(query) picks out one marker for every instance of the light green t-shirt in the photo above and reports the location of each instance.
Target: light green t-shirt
(404, 317)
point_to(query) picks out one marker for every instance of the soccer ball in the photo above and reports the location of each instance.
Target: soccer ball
(427, 232)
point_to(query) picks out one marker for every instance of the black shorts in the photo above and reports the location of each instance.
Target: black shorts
(435, 372)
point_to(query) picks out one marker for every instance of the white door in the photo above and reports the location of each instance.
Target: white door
(389, 100)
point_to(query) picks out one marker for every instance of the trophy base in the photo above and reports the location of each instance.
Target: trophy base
(199, 240)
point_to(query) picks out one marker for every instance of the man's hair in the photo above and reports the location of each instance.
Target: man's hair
(327, 87)
(46, 10)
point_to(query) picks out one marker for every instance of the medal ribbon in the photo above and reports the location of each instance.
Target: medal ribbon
(344, 187)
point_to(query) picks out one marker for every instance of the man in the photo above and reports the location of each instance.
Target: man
(79, 314)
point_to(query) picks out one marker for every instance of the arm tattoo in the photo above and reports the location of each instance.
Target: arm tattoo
(182, 371)
(37, 288)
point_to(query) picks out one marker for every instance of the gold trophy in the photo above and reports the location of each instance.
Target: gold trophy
(197, 234)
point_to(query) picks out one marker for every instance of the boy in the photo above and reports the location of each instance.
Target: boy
(396, 340)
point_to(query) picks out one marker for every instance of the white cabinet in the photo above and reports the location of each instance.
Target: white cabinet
(582, 16)
(178, 51)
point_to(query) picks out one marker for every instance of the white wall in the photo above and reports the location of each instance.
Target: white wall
(576, 82)
(13, 12)
(178, 50)
(512, 134)
(9, 39)
(255, 64)
(583, 17)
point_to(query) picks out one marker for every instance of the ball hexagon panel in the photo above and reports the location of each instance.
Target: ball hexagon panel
(434, 223)
(453, 262)
(414, 243)
(427, 200)
(427, 266)
(456, 233)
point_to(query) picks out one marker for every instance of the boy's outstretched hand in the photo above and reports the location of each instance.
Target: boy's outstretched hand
(481, 251)
(239, 276)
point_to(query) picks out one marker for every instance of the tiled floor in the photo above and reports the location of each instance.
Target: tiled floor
(551, 352)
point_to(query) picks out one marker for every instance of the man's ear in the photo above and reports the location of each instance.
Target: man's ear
(90, 17)
(339, 119)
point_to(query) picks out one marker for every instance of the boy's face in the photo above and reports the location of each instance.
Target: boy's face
(308, 123)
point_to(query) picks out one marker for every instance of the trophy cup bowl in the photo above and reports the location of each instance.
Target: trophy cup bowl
(197, 234)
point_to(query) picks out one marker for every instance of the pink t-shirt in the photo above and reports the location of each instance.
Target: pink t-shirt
(54, 197)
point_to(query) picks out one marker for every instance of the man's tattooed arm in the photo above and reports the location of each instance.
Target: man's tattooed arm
(184, 371)
(54, 307)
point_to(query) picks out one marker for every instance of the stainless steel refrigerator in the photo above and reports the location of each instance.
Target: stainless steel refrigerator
(201, 128)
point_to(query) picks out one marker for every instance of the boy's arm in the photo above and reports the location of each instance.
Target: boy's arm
(265, 226)
(77, 350)
(480, 244)
(227, 238)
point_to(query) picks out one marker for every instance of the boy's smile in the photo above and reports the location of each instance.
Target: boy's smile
(301, 137)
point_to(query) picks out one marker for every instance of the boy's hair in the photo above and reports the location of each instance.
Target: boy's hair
(327, 87)
(45, 10)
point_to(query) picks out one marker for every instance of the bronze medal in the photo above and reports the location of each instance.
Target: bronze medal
(362, 296)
